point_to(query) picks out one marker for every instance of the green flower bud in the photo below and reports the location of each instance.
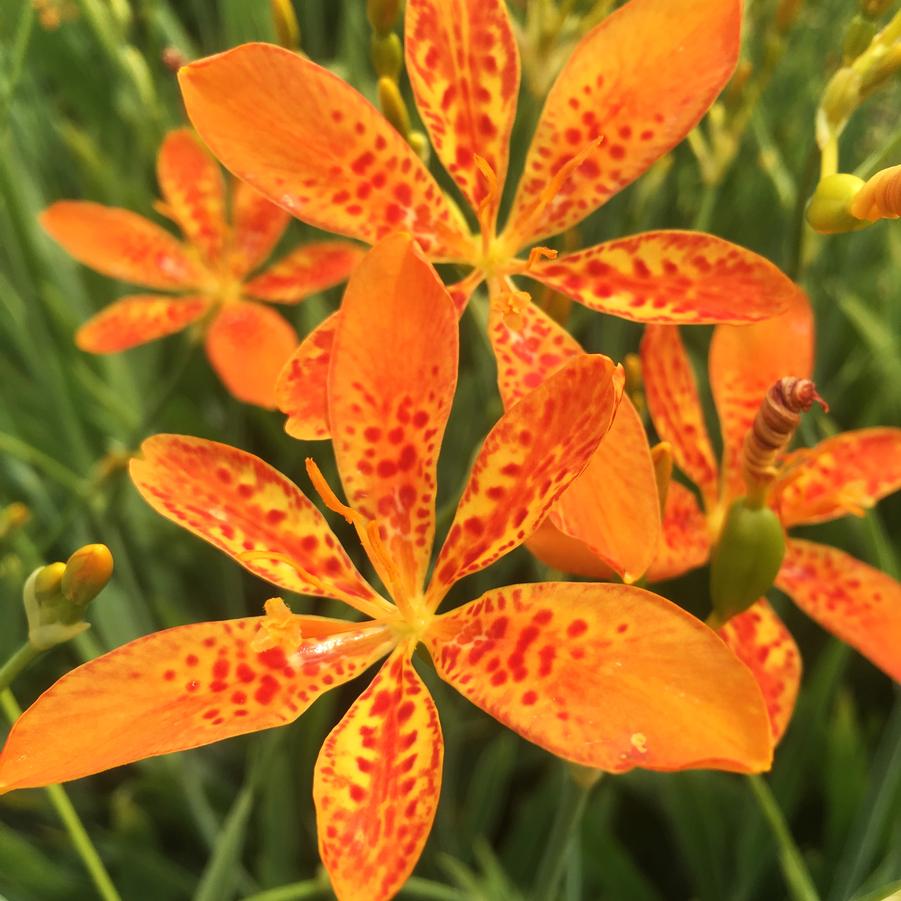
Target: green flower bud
(393, 106)
(746, 559)
(382, 14)
(828, 211)
(387, 55)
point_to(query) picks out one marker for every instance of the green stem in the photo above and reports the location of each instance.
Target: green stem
(797, 877)
(70, 819)
(564, 834)
(16, 664)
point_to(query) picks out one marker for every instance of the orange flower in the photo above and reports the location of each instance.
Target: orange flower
(609, 676)
(246, 342)
(844, 474)
(633, 88)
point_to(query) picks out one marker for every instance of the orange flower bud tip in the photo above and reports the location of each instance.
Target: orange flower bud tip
(87, 573)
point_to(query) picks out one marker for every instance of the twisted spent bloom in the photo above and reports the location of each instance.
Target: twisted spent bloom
(246, 342)
(608, 676)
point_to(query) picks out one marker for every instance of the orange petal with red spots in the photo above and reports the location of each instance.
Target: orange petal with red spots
(376, 784)
(304, 271)
(684, 539)
(745, 361)
(638, 83)
(248, 345)
(608, 676)
(257, 225)
(135, 320)
(302, 388)
(855, 602)
(760, 640)
(338, 165)
(463, 65)
(462, 290)
(672, 396)
(528, 460)
(847, 473)
(246, 508)
(613, 507)
(683, 278)
(179, 689)
(120, 244)
(557, 550)
(391, 385)
(193, 192)
(528, 345)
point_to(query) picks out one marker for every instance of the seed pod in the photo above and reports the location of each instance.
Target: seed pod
(746, 559)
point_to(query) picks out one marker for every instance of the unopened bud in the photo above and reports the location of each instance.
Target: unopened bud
(12, 517)
(382, 14)
(662, 458)
(829, 210)
(841, 97)
(393, 106)
(420, 144)
(87, 573)
(48, 582)
(287, 28)
(387, 55)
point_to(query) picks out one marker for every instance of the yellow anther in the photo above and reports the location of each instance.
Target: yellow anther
(536, 254)
(280, 628)
(513, 305)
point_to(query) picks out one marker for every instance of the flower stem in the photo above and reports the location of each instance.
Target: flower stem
(797, 877)
(16, 664)
(564, 833)
(70, 819)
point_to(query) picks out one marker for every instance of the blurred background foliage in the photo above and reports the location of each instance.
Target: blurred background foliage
(85, 98)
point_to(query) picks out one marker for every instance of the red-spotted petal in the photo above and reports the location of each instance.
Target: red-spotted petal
(248, 345)
(856, 603)
(745, 361)
(135, 320)
(257, 225)
(608, 676)
(376, 784)
(182, 688)
(304, 271)
(527, 461)
(246, 508)
(760, 640)
(391, 384)
(316, 147)
(302, 388)
(847, 473)
(637, 83)
(462, 290)
(613, 507)
(121, 244)
(557, 550)
(193, 192)
(685, 536)
(672, 396)
(686, 278)
(528, 345)
(463, 65)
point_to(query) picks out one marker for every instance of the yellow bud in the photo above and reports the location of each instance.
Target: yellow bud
(829, 210)
(393, 106)
(48, 581)
(13, 517)
(387, 55)
(382, 14)
(841, 97)
(287, 28)
(420, 144)
(662, 458)
(87, 572)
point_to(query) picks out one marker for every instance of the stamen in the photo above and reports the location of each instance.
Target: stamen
(323, 489)
(513, 304)
(488, 204)
(279, 628)
(536, 254)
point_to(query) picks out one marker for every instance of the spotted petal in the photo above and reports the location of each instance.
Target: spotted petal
(847, 473)
(672, 396)
(637, 83)
(305, 271)
(193, 192)
(760, 640)
(377, 783)
(248, 345)
(677, 277)
(527, 461)
(391, 385)
(685, 537)
(856, 603)
(745, 361)
(178, 689)
(257, 225)
(136, 320)
(246, 508)
(316, 147)
(121, 244)
(302, 388)
(463, 65)
(608, 676)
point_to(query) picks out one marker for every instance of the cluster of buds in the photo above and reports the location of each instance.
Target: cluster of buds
(56, 595)
(843, 202)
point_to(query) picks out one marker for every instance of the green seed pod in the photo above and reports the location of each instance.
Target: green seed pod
(828, 211)
(746, 559)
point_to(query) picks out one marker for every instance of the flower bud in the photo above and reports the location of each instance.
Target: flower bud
(420, 144)
(382, 14)
(393, 106)
(829, 210)
(287, 27)
(87, 572)
(387, 55)
(746, 559)
(13, 517)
